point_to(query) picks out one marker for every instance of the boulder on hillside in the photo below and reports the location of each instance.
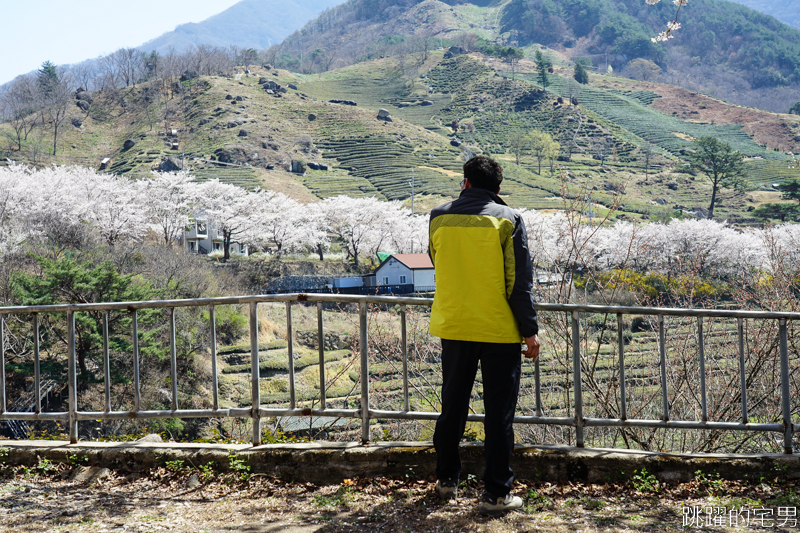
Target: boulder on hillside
(83, 104)
(228, 97)
(298, 166)
(76, 122)
(188, 75)
(343, 102)
(383, 113)
(243, 133)
(85, 96)
(455, 142)
(293, 86)
(312, 117)
(454, 51)
(128, 144)
(170, 164)
(223, 155)
(426, 103)
(239, 99)
(313, 166)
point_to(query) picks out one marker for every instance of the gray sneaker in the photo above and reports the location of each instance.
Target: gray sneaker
(447, 489)
(493, 506)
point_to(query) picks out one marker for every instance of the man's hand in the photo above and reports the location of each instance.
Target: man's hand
(532, 350)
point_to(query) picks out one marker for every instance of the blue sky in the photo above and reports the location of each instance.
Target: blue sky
(66, 32)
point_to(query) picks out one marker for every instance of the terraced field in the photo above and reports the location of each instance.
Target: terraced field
(669, 133)
(386, 164)
(246, 178)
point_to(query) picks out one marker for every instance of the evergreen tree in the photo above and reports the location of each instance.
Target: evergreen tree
(47, 78)
(795, 109)
(543, 65)
(581, 76)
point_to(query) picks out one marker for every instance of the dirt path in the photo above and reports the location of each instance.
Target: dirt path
(42, 499)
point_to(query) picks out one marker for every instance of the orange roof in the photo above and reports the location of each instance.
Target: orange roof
(414, 261)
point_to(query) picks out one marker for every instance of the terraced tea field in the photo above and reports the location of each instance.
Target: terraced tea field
(668, 133)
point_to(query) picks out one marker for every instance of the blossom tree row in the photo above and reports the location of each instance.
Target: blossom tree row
(61, 206)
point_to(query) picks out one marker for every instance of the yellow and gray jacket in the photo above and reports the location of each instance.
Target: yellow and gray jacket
(484, 275)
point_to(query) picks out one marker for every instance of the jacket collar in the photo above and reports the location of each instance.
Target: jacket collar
(481, 194)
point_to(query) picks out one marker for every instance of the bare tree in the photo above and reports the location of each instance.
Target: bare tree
(128, 63)
(19, 108)
(466, 40)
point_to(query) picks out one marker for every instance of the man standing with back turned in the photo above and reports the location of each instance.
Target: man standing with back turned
(482, 309)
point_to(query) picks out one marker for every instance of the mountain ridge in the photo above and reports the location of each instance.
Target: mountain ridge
(787, 11)
(255, 20)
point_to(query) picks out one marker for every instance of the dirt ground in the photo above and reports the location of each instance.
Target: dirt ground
(174, 498)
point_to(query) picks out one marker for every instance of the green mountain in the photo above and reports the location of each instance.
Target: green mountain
(248, 24)
(723, 48)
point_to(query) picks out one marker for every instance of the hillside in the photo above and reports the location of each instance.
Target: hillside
(748, 57)
(248, 24)
(787, 11)
(235, 130)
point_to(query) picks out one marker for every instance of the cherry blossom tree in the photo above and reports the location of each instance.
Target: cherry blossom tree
(229, 209)
(171, 199)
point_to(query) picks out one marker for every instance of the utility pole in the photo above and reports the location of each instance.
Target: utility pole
(412, 191)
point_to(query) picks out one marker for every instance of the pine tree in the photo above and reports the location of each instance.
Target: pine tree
(542, 67)
(581, 76)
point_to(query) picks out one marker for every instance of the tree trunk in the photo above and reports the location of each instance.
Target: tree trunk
(320, 252)
(714, 187)
(226, 245)
(55, 136)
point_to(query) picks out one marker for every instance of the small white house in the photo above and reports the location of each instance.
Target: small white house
(201, 237)
(412, 270)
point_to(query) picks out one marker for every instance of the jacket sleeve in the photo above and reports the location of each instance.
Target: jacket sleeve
(521, 298)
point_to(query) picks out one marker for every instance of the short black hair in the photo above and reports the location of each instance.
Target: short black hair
(484, 173)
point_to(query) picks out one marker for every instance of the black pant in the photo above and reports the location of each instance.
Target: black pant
(501, 365)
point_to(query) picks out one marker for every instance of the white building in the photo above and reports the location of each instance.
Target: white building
(200, 237)
(414, 271)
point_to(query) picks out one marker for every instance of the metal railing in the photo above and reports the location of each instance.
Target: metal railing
(256, 412)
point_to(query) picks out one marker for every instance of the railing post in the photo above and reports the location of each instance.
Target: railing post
(214, 384)
(37, 374)
(701, 352)
(72, 379)
(785, 389)
(321, 342)
(255, 375)
(106, 363)
(576, 372)
(742, 372)
(662, 348)
(173, 359)
(623, 412)
(290, 340)
(404, 352)
(2, 365)
(364, 349)
(137, 400)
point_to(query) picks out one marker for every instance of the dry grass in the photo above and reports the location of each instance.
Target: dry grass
(41, 499)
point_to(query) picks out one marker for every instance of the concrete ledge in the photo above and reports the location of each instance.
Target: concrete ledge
(331, 462)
